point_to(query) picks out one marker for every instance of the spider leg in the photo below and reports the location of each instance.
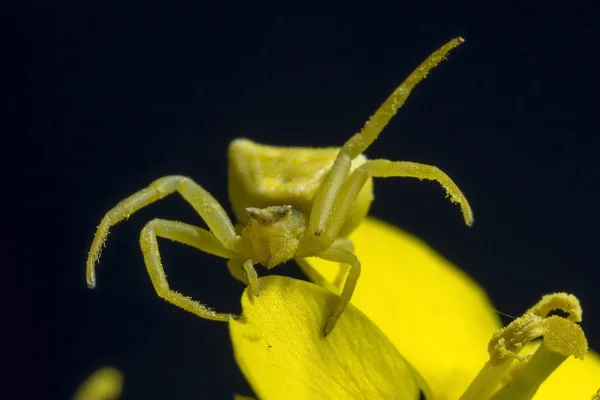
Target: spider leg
(209, 209)
(236, 269)
(341, 256)
(347, 245)
(252, 277)
(407, 169)
(386, 169)
(315, 277)
(328, 192)
(245, 272)
(183, 233)
(343, 244)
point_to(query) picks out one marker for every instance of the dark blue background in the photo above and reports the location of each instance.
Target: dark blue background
(121, 94)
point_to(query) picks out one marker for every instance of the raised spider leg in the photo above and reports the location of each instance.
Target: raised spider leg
(328, 192)
(183, 233)
(341, 256)
(209, 209)
(386, 169)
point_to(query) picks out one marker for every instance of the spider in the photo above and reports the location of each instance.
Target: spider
(291, 203)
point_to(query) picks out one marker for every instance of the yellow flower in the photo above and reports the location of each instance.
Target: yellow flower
(416, 322)
(104, 384)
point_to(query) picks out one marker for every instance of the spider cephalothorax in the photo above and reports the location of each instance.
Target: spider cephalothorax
(275, 233)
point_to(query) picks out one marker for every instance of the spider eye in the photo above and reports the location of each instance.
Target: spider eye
(285, 210)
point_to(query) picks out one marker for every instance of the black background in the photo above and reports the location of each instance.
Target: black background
(123, 93)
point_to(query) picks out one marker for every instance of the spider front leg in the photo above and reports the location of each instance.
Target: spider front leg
(209, 209)
(330, 188)
(187, 234)
(385, 169)
(407, 169)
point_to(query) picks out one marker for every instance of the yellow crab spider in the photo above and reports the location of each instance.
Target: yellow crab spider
(291, 203)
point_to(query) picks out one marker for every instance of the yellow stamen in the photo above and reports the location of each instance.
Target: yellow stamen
(563, 337)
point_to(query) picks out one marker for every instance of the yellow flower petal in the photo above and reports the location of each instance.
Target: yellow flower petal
(242, 397)
(104, 384)
(438, 318)
(279, 347)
